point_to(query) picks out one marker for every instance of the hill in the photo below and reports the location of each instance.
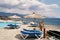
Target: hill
(10, 14)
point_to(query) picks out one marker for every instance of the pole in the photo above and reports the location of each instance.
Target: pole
(40, 26)
(44, 31)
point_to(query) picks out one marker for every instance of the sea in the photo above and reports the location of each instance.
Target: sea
(47, 21)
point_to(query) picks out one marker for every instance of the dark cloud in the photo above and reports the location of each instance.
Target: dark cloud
(6, 6)
(19, 6)
(35, 8)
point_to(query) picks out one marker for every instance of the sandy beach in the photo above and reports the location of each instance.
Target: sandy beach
(52, 27)
(13, 34)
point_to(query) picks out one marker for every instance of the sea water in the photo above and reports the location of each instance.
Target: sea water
(47, 21)
(5, 24)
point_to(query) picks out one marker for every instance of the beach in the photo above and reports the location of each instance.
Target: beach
(14, 34)
(52, 27)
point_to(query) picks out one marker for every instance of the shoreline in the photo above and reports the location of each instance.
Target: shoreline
(10, 21)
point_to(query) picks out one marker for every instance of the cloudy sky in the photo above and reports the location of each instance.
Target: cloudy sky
(49, 8)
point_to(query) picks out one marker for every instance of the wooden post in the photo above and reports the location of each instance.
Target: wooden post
(40, 26)
(44, 31)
